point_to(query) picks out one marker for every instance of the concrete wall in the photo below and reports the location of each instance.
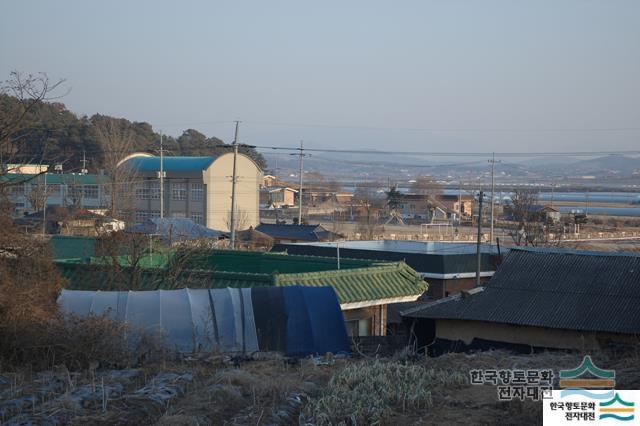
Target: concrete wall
(466, 331)
(439, 288)
(217, 180)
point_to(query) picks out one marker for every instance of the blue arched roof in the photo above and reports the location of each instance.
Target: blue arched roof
(171, 164)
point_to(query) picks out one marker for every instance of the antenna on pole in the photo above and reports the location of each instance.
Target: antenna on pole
(161, 176)
(234, 179)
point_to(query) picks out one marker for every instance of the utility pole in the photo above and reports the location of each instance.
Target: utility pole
(161, 175)
(44, 206)
(586, 200)
(234, 179)
(478, 254)
(459, 202)
(493, 163)
(302, 155)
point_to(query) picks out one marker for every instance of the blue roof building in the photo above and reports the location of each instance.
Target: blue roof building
(196, 188)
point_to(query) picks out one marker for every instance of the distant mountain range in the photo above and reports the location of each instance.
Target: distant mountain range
(611, 163)
(376, 166)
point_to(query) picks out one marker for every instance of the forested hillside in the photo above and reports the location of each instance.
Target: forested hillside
(50, 133)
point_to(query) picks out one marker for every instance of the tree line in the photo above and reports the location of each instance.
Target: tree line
(36, 127)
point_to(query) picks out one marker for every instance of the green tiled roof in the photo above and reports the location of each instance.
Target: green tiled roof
(356, 281)
(387, 281)
(57, 178)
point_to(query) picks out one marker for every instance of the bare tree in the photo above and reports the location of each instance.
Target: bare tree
(29, 285)
(337, 223)
(116, 141)
(368, 204)
(29, 91)
(425, 185)
(241, 219)
(74, 193)
(38, 196)
(530, 226)
(368, 226)
(121, 255)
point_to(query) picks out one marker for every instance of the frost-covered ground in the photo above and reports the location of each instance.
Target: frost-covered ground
(217, 390)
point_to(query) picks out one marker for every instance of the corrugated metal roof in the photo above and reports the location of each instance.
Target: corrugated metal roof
(175, 229)
(170, 164)
(572, 290)
(416, 247)
(437, 258)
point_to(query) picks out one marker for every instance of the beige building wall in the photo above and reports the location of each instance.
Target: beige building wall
(466, 331)
(217, 179)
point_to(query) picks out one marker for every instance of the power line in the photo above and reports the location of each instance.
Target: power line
(458, 153)
(454, 129)
(372, 151)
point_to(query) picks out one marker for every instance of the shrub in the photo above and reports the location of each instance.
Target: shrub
(369, 392)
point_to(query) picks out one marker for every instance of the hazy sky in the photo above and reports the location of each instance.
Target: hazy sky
(505, 75)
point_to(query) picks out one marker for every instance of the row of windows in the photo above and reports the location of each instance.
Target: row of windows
(151, 191)
(54, 189)
(148, 191)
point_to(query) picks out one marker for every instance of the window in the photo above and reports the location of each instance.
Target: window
(197, 218)
(142, 192)
(148, 191)
(196, 191)
(178, 215)
(352, 328)
(90, 191)
(179, 191)
(154, 190)
(358, 328)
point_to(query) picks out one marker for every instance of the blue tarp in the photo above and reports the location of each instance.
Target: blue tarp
(176, 229)
(295, 320)
(315, 323)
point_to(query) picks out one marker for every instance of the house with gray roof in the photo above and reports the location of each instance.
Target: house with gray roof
(539, 298)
